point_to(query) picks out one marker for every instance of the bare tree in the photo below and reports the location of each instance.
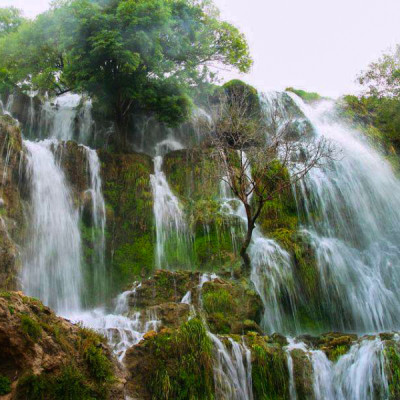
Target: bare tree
(261, 152)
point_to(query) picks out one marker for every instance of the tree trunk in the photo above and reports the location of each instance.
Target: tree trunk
(121, 124)
(247, 241)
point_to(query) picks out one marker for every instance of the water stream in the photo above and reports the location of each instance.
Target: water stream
(352, 219)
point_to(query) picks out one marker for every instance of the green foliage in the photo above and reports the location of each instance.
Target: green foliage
(382, 77)
(129, 230)
(269, 372)
(308, 97)
(5, 385)
(130, 56)
(183, 368)
(99, 365)
(237, 88)
(338, 351)
(30, 327)
(219, 300)
(378, 117)
(69, 384)
(392, 357)
(10, 20)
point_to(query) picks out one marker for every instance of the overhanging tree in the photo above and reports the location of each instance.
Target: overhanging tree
(261, 154)
(130, 56)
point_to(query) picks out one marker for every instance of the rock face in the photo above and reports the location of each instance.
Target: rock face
(12, 221)
(130, 225)
(228, 306)
(46, 357)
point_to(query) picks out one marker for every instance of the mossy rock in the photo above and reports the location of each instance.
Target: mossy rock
(46, 357)
(14, 192)
(194, 176)
(164, 287)
(231, 307)
(130, 221)
(302, 375)
(172, 365)
(270, 374)
(392, 357)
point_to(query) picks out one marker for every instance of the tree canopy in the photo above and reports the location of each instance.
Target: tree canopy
(130, 56)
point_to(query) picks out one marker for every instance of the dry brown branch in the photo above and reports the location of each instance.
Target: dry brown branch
(261, 153)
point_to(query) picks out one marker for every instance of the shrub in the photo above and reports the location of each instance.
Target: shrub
(5, 385)
(30, 327)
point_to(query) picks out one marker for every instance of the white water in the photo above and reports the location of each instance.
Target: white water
(232, 370)
(99, 220)
(168, 214)
(52, 266)
(353, 221)
(358, 375)
(85, 122)
(271, 271)
(121, 329)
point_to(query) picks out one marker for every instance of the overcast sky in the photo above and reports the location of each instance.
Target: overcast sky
(317, 45)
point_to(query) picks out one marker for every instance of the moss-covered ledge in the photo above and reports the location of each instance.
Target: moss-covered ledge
(44, 357)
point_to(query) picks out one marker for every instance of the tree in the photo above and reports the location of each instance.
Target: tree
(382, 78)
(261, 154)
(10, 20)
(130, 56)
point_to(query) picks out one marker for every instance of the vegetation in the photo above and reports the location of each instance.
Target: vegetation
(377, 110)
(392, 357)
(69, 384)
(129, 56)
(308, 97)
(268, 146)
(5, 385)
(30, 327)
(184, 364)
(270, 373)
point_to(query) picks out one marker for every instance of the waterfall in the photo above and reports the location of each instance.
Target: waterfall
(232, 370)
(168, 215)
(52, 266)
(121, 329)
(64, 116)
(98, 221)
(356, 235)
(85, 122)
(271, 268)
(358, 375)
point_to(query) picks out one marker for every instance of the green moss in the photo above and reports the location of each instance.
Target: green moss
(98, 364)
(5, 385)
(30, 327)
(308, 97)
(338, 352)
(218, 301)
(183, 368)
(130, 220)
(69, 384)
(392, 357)
(270, 373)
(5, 295)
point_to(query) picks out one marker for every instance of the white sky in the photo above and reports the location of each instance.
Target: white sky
(317, 45)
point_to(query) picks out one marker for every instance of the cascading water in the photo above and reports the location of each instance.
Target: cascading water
(168, 215)
(356, 235)
(85, 122)
(232, 370)
(271, 265)
(98, 209)
(52, 267)
(357, 375)
(121, 329)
